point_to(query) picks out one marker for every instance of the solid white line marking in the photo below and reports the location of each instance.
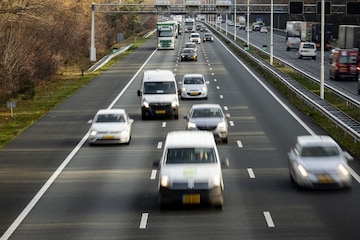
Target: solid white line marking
(239, 143)
(153, 174)
(143, 221)
(251, 173)
(268, 219)
(163, 124)
(159, 145)
(53, 177)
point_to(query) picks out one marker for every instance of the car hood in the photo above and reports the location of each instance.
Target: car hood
(182, 172)
(206, 121)
(160, 98)
(108, 127)
(193, 86)
(322, 163)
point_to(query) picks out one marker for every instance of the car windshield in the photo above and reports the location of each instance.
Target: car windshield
(206, 113)
(190, 155)
(188, 45)
(159, 88)
(193, 80)
(319, 151)
(188, 50)
(309, 46)
(106, 118)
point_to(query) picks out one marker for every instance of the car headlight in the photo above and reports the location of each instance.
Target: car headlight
(93, 133)
(216, 181)
(222, 126)
(145, 104)
(191, 125)
(343, 170)
(174, 103)
(183, 89)
(302, 170)
(204, 89)
(164, 181)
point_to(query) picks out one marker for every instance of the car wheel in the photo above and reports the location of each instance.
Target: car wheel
(314, 58)
(143, 115)
(224, 140)
(176, 116)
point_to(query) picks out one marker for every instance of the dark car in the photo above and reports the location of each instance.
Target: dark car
(188, 54)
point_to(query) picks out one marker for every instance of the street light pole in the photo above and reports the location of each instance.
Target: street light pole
(271, 32)
(322, 74)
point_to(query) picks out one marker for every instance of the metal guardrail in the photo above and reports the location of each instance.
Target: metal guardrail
(345, 122)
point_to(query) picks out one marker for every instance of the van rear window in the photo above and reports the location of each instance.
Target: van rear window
(348, 59)
(190, 155)
(159, 88)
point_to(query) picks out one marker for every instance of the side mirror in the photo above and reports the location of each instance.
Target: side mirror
(90, 121)
(131, 120)
(225, 163)
(139, 93)
(186, 117)
(348, 156)
(227, 115)
(156, 163)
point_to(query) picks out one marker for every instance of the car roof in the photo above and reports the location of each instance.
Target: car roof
(316, 140)
(194, 75)
(158, 75)
(205, 105)
(111, 111)
(190, 139)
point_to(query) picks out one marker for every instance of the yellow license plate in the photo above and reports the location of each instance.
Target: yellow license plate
(194, 93)
(191, 199)
(160, 111)
(325, 178)
(109, 137)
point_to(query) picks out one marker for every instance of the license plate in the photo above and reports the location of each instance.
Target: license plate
(194, 93)
(325, 178)
(191, 199)
(109, 137)
(160, 111)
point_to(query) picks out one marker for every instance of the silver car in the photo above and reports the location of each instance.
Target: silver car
(110, 126)
(318, 161)
(193, 86)
(208, 117)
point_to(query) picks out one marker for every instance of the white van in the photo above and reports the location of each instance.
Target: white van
(159, 94)
(190, 170)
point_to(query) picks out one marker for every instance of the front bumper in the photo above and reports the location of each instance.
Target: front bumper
(213, 197)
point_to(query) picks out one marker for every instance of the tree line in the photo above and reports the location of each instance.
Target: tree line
(39, 38)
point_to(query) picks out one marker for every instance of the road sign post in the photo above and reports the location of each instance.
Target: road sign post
(11, 105)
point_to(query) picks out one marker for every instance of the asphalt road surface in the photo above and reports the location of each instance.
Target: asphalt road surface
(53, 185)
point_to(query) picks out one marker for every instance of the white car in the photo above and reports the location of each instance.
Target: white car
(318, 161)
(191, 45)
(110, 126)
(193, 86)
(190, 170)
(307, 49)
(195, 37)
(263, 30)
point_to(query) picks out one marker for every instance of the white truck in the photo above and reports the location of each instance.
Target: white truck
(242, 22)
(299, 29)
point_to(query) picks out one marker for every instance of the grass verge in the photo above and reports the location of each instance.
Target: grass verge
(47, 96)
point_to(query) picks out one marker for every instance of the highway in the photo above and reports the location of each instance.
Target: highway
(53, 185)
(308, 65)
